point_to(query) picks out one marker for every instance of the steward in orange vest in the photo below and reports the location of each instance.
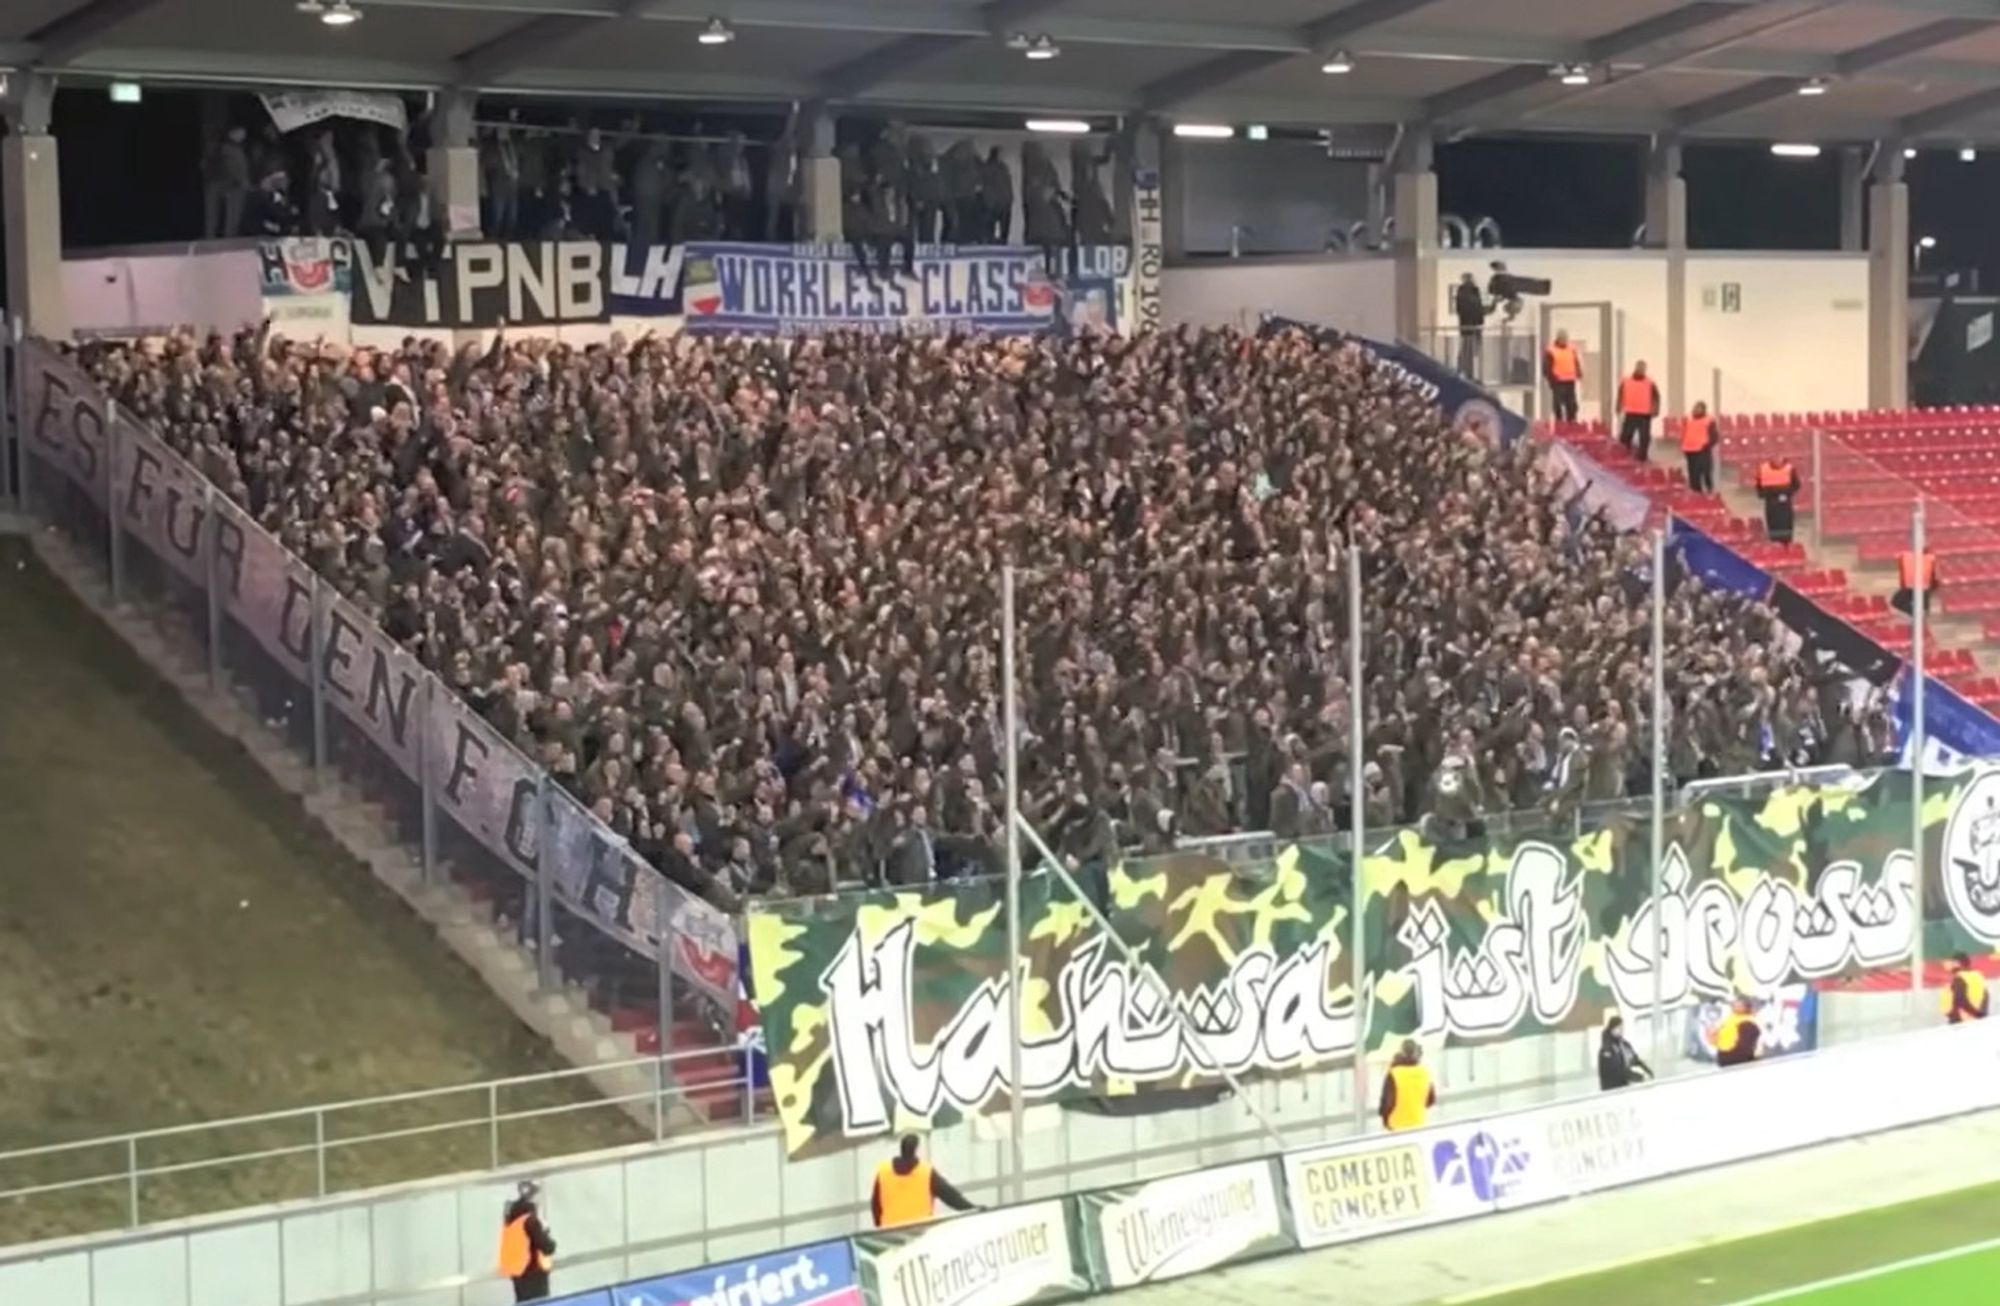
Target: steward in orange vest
(1914, 576)
(527, 1249)
(908, 1189)
(1737, 1037)
(1777, 482)
(1407, 1091)
(1964, 999)
(1562, 365)
(1698, 441)
(1638, 405)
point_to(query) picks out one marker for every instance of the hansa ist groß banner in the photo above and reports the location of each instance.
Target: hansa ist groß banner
(886, 1010)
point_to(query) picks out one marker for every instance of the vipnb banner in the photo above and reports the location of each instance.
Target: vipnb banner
(804, 288)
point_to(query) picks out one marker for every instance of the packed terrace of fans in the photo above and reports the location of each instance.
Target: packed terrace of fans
(742, 595)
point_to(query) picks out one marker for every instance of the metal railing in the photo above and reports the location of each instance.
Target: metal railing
(1497, 354)
(265, 630)
(315, 1152)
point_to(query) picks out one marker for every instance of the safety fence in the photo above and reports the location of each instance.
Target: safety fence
(1106, 1239)
(357, 708)
(314, 1152)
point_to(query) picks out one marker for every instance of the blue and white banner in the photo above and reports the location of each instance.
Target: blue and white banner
(805, 288)
(645, 280)
(306, 265)
(1788, 1017)
(821, 1275)
(1469, 407)
(1955, 731)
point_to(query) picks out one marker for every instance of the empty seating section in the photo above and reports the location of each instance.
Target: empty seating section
(1872, 466)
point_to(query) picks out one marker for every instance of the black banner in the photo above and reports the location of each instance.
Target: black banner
(481, 283)
(1821, 631)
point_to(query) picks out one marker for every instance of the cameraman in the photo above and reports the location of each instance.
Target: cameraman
(1469, 306)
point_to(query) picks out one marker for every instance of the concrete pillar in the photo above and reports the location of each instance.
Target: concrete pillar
(820, 179)
(1143, 202)
(1889, 281)
(30, 185)
(453, 165)
(1416, 242)
(1173, 193)
(1666, 230)
(1853, 228)
(1378, 202)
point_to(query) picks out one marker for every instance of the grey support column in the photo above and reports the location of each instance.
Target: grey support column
(453, 165)
(1416, 242)
(1173, 194)
(31, 191)
(821, 176)
(1853, 227)
(1666, 230)
(1889, 281)
(1142, 202)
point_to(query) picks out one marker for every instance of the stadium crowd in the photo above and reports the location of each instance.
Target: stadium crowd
(742, 594)
(623, 180)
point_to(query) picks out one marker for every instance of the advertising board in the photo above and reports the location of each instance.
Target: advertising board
(1142, 1233)
(1006, 1257)
(821, 1275)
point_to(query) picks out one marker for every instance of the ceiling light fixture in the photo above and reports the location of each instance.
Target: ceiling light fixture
(1967, 155)
(1817, 86)
(339, 13)
(1909, 151)
(1204, 131)
(1340, 61)
(1043, 47)
(1795, 150)
(1059, 126)
(1927, 242)
(716, 32)
(1571, 74)
(313, 7)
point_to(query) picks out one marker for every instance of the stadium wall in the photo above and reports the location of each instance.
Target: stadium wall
(1797, 338)
(1786, 332)
(657, 1209)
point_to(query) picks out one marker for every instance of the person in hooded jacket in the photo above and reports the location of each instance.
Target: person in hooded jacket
(527, 1248)
(1618, 1062)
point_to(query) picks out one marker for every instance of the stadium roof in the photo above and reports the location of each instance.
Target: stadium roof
(1924, 70)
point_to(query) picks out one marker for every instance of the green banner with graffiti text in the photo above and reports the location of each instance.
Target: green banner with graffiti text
(888, 1010)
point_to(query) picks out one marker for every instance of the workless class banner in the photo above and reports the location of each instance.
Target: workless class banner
(888, 1010)
(729, 287)
(480, 782)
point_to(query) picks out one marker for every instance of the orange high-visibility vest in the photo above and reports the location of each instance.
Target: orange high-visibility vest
(1413, 1097)
(906, 1198)
(1774, 476)
(1975, 997)
(1564, 365)
(1909, 568)
(1635, 396)
(1697, 434)
(517, 1254)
